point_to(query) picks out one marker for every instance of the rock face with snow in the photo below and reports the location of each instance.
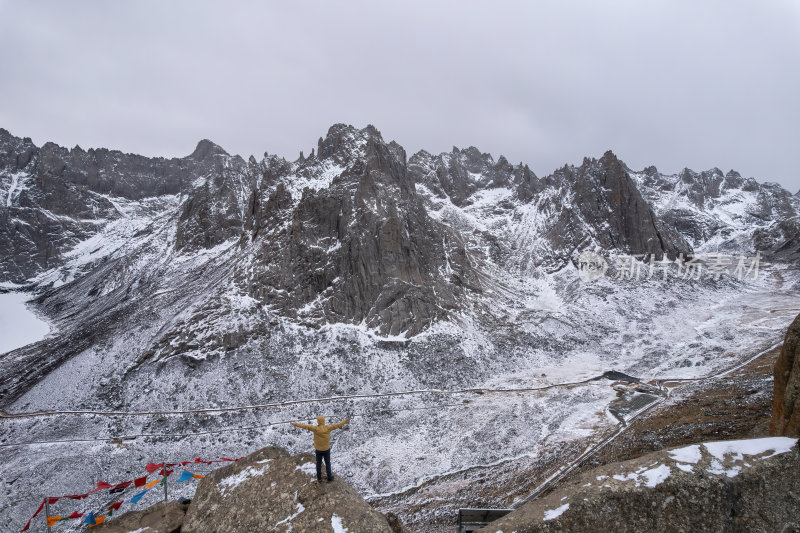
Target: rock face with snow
(215, 281)
(360, 250)
(786, 406)
(356, 234)
(272, 491)
(615, 213)
(56, 197)
(749, 485)
(726, 213)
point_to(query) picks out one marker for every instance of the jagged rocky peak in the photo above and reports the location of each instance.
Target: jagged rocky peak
(460, 173)
(733, 180)
(650, 177)
(214, 209)
(357, 247)
(206, 149)
(608, 199)
(343, 142)
(15, 152)
(703, 185)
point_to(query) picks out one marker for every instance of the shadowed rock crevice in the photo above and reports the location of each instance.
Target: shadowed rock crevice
(786, 406)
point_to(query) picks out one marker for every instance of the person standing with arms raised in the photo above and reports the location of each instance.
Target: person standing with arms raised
(322, 442)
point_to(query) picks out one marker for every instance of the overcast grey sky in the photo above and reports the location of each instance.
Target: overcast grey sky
(672, 83)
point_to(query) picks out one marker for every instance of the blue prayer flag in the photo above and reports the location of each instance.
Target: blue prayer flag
(139, 496)
(185, 476)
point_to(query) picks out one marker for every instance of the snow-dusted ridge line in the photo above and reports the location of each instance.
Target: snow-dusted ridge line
(223, 430)
(4, 414)
(477, 390)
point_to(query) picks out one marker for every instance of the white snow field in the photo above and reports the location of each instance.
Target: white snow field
(19, 325)
(508, 377)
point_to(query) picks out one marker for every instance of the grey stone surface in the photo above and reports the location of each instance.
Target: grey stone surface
(364, 247)
(751, 494)
(272, 491)
(66, 196)
(163, 517)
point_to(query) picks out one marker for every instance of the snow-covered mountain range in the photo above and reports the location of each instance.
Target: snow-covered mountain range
(390, 282)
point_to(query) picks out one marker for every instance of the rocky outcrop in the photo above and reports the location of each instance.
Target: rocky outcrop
(56, 197)
(458, 174)
(739, 214)
(272, 491)
(617, 215)
(163, 517)
(361, 249)
(214, 210)
(749, 485)
(268, 490)
(786, 406)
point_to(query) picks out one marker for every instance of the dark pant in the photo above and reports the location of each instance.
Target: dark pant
(327, 456)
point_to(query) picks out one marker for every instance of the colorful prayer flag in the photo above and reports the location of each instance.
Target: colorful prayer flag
(51, 520)
(139, 496)
(151, 467)
(139, 481)
(39, 510)
(90, 519)
(185, 476)
(120, 487)
(152, 484)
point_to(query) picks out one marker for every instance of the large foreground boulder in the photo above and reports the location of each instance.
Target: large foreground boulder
(747, 485)
(271, 491)
(786, 403)
(163, 517)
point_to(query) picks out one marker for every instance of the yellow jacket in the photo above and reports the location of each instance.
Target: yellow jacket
(322, 432)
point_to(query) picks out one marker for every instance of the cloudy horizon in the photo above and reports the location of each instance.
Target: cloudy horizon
(671, 83)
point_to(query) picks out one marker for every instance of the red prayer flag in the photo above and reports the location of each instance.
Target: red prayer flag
(75, 514)
(77, 496)
(39, 510)
(116, 506)
(140, 481)
(52, 500)
(151, 467)
(101, 485)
